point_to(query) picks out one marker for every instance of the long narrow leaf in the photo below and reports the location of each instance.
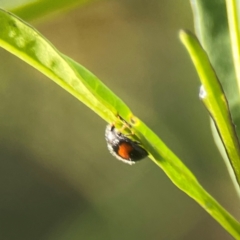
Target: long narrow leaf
(214, 99)
(182, 177)
(211, 24)
(25, 42)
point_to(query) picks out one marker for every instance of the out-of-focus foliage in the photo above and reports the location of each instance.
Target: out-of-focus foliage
(32, 10)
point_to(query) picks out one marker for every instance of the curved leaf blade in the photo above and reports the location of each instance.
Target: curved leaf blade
(25, 42)
(183, 178)
(214, 99)
(211, 24)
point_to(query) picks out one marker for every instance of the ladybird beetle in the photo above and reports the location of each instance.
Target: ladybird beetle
(122, 147)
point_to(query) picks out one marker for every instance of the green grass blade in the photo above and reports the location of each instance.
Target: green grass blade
(182, 177)
(233, 23)
(214, 99)
(37, 9)
(26, 43)
(211, 24)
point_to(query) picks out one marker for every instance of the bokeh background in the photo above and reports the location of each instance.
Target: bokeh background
(57, 178)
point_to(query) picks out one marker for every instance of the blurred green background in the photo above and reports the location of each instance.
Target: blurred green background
(57, 178)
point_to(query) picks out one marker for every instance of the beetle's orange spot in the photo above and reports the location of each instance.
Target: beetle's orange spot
(124, 150)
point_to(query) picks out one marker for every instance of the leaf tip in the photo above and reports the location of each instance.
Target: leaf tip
(184, 35)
